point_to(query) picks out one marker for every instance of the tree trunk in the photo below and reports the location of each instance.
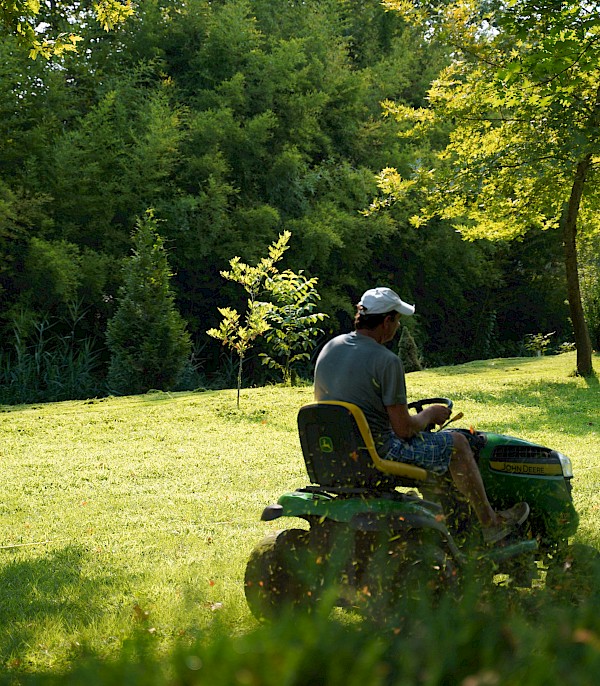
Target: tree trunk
(569, 222)
(239, 380)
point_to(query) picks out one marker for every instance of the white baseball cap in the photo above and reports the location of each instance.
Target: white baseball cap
(382, 300)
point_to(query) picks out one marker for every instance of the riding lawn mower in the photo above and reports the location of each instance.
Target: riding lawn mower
(379, 530)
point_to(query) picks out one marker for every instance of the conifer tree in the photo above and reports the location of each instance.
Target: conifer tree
(147, 337)
(409, 352)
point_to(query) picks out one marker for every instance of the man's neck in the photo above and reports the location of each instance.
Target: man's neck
(375, 334)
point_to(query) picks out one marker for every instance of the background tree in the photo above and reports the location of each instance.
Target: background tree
(238, 120)
(408, 351)
(522, 95)
(147, 338)
(590, 284)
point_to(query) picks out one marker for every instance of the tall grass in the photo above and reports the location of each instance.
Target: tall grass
(48, 368)
(480, 641)
(126, 525)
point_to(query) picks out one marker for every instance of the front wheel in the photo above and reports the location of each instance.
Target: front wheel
(283, 572)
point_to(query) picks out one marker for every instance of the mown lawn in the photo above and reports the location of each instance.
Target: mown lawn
(135, 509)
(128, 515)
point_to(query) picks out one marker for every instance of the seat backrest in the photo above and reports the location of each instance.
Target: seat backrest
(339, 449)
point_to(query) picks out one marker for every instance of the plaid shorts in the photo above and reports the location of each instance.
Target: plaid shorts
(430, 450)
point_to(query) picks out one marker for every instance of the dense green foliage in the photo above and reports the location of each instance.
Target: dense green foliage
(237, 120)
(485, 640)
(590, 286)
(22, 19)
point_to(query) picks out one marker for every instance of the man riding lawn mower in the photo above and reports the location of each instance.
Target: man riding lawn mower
(358, 368)
(361, 442)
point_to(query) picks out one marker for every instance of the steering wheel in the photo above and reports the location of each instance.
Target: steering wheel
(418, 405)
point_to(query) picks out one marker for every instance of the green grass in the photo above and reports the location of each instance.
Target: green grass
(149, 502)
(135, 516)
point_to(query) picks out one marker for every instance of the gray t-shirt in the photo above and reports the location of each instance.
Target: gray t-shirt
(356, 369)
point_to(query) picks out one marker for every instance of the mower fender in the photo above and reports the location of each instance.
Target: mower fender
(374, 521)
(306, 504)
(271, 512)
(367, 514)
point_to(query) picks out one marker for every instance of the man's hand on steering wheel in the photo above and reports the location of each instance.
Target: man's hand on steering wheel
(437, 411)
(437, 414)
(420, 415)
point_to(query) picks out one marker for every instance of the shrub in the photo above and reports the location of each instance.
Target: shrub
(289, 323)
(485, 637)
(538, 343)
(293, 321)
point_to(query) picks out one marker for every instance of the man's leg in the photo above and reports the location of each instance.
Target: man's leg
(431, 451)
(467, 477)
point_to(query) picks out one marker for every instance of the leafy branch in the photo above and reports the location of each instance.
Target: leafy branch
(22, 20)
(293, 322)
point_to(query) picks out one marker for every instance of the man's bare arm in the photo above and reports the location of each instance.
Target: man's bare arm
(406, 425)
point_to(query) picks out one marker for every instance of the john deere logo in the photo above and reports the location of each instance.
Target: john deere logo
(529, 468)
(325, 444)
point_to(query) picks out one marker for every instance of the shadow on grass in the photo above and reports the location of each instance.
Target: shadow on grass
(43, 591)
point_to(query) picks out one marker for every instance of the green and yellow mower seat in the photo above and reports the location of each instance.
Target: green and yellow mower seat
(339, 450)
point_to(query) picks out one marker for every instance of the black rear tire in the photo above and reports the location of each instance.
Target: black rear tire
(403, 572)
(283, 573)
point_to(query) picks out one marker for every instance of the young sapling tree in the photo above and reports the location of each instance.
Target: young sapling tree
(293, 322)
(239, 334)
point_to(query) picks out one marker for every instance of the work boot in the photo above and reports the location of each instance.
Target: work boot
(510, 520)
